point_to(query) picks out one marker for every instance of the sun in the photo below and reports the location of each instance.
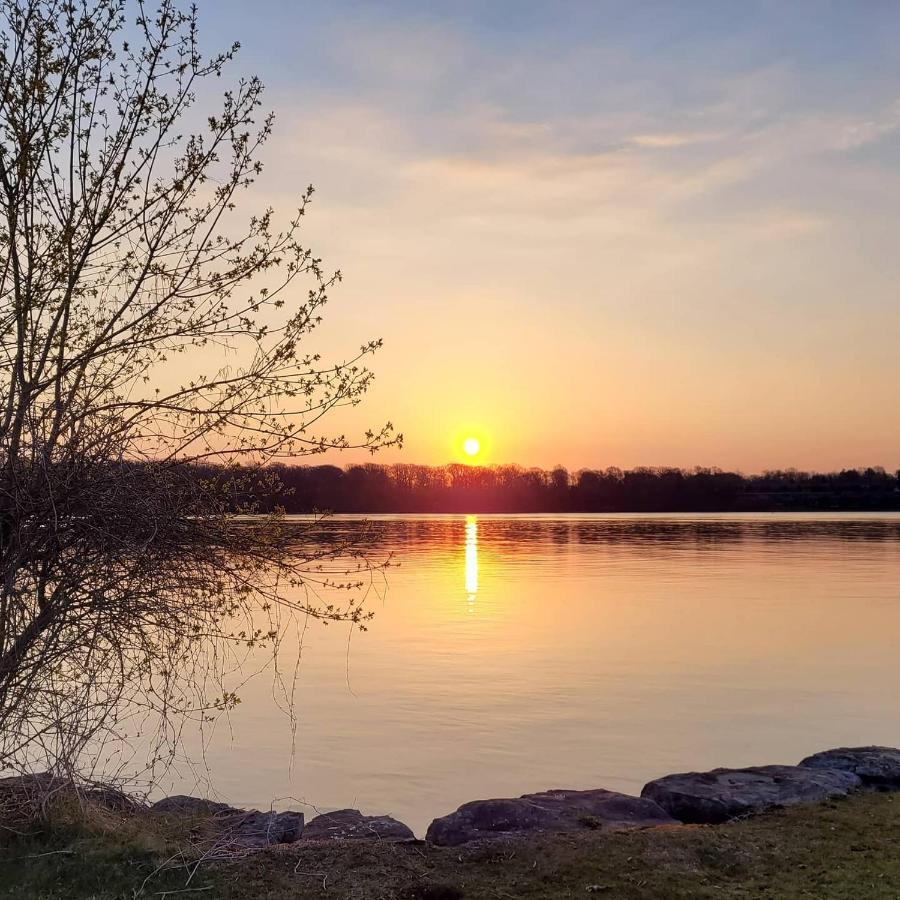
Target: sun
(471, 446)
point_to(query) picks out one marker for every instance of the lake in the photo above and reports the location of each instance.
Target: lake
(511, 654)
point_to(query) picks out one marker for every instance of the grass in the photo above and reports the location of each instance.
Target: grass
(845, 849)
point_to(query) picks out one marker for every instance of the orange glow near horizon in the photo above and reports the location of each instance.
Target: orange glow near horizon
(691, 277)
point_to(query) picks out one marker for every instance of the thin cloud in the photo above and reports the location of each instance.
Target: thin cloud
(673, 139)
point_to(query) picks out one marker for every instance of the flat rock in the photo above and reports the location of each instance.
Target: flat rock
(351, 824)
(722, 794)
(181, 804)
(559, 810)
(874, 765)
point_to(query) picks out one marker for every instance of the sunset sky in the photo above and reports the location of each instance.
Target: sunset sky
(597, 235)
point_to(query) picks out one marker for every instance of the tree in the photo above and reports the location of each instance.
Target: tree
(144, 333)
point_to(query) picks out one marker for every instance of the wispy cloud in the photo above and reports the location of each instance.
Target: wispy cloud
(663, 141)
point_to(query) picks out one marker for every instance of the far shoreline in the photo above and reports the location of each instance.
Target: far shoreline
(459, 489)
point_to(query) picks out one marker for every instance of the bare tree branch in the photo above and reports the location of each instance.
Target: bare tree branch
(127, 585)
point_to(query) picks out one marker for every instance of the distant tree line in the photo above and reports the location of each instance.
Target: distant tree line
(406, 488)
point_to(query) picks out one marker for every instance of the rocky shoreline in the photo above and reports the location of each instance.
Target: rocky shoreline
(710, 797)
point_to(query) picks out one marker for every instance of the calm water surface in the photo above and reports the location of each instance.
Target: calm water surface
(512, 654)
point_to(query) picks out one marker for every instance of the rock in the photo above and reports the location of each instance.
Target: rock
(113, 799)
(722, 794)
(547, 811)
(351, 824)
(874, 765)
(241, 827)
(252, 828)
(36, 783)
(181, 804)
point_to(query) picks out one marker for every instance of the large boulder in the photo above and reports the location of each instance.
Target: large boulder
(547, 811)
(722, 794)
(351, 824)
(874, 765)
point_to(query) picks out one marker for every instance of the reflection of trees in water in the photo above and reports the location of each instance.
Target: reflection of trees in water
(518, 535)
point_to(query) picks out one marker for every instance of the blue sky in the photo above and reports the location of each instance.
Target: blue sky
(601, 233)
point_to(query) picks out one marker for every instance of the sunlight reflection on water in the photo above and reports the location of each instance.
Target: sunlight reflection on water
(471, 557)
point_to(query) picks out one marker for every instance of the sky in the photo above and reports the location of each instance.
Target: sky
(599, 233)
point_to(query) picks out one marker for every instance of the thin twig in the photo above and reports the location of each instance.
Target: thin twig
(188, 890)
(322, 875)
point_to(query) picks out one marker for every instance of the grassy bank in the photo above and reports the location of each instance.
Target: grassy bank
(846, 849)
